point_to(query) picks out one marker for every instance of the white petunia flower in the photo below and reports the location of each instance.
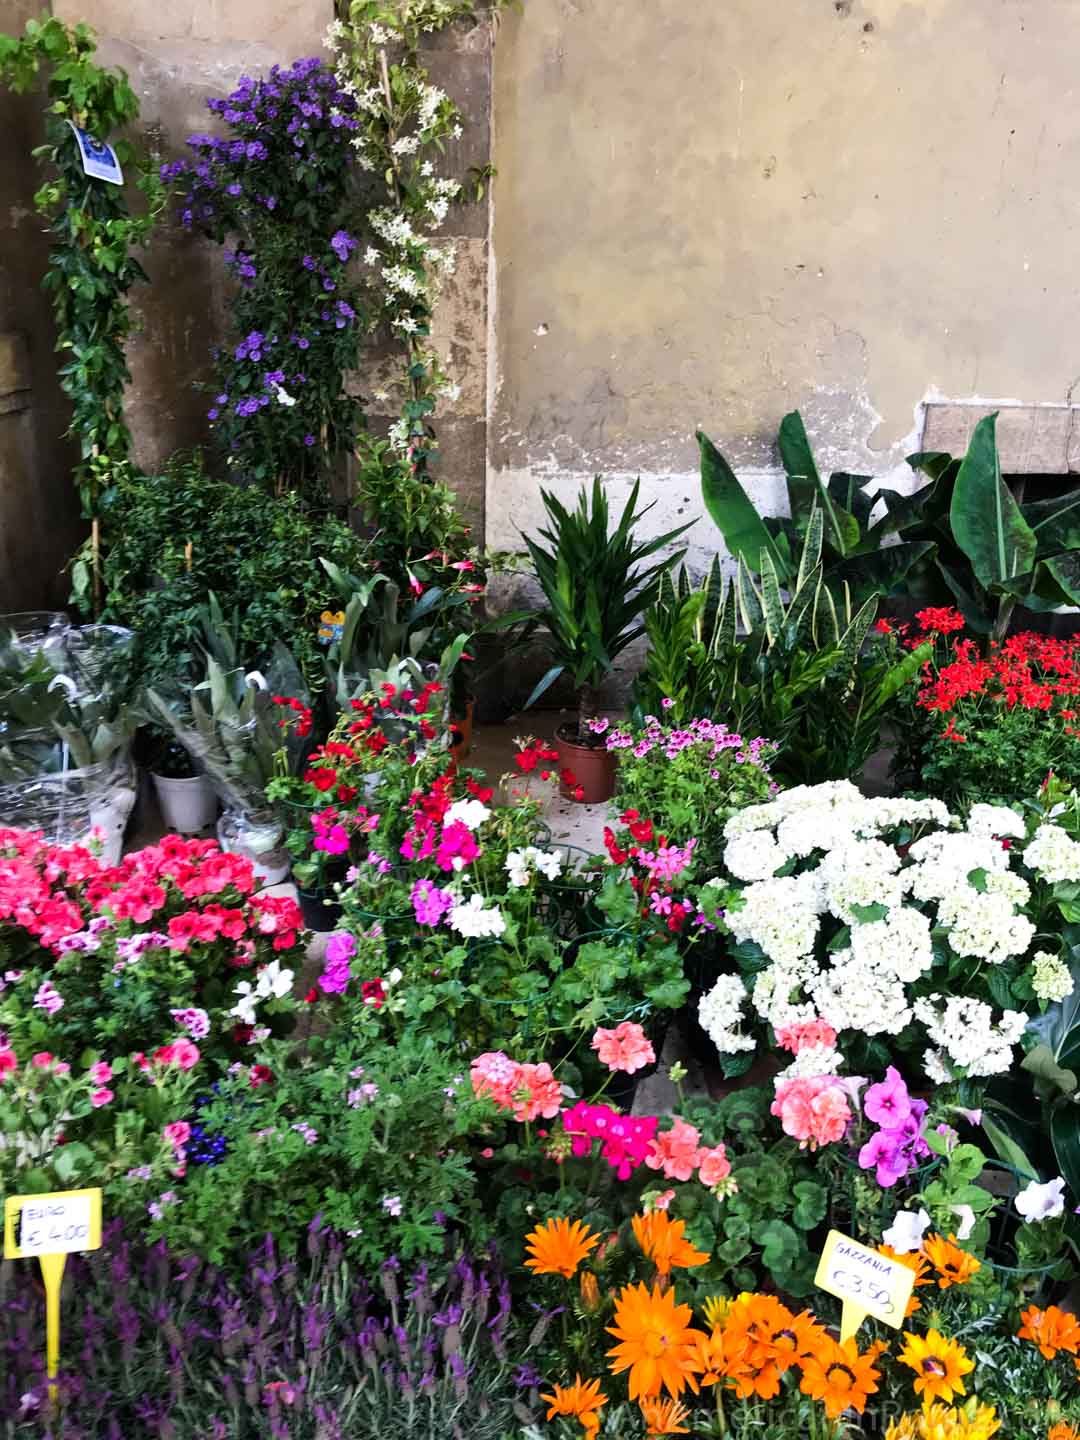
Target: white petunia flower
(470, 813)
(906, 1232)
(1042, 1202)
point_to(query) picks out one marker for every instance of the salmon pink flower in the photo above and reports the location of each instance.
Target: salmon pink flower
(676, 1151)
(625, 1048)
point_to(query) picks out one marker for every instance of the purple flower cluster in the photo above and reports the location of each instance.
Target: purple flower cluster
(277, 189)
(712, 738)
(430, 903)
(340, 949)
(898, 1146)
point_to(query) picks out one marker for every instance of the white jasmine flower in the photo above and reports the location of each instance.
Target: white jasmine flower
(1042, 1202)
(906, 1232)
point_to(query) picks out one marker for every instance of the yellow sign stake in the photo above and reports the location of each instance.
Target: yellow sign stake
(867, 1282)
(52, 1227)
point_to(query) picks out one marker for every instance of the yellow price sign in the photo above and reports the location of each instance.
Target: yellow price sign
(52, 1227)
(867, 1282)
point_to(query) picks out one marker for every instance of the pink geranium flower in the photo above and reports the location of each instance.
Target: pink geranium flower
(713, 1166)
(178, 1133)
(101, 1097)
(101, 1072)
(803, 1035)
(625, 1048)
(813, 1111)
(676, 1151)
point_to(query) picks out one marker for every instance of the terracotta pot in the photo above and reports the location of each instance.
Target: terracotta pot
(593, 769)
(463, 737)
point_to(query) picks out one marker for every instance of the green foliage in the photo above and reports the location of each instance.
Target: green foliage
(259, 555)
(594, 593)
(793, 669)
(93, 234)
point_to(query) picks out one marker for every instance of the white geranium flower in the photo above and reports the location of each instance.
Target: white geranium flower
(906, 1232)
(273, 981)
(244, 1009)
(476, 923)
(470, 813)
(1042, 1202)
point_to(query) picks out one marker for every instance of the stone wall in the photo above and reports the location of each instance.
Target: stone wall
(712, 214)
(39, 524)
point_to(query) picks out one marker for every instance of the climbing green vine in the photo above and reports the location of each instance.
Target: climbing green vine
(92, 236)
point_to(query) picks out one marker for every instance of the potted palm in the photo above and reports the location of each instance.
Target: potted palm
(595, 596)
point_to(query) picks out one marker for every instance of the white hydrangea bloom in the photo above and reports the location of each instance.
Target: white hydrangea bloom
(944, 861)
(1008, 883)
(1053, 855)
(856, 996)
(862, 872)
(773, 989)
(755, 856)
(967, 1036)
(778, 916)
(1000, 820)
(813, 1061)
(899, 946)
(984, 926)
(1051, 978)
(721, 1015)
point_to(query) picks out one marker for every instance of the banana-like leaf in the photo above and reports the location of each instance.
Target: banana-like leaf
(1065, 1135)
(797, 458)
(1055, 523)
(880, 572)
(986, 520)
(734, 512)
(849, 492)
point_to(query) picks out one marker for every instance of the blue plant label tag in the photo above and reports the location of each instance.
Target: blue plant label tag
(98, 159)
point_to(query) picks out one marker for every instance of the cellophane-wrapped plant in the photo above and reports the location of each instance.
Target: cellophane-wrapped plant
(989, 720)
(160, 1343)
(277, 188)
(689, 779)
(121, 988)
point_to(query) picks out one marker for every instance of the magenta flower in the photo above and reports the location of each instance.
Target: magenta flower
(888, 1103)
(883, 1154)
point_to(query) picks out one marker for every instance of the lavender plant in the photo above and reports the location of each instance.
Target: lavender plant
(277, 190)
(163, 1346)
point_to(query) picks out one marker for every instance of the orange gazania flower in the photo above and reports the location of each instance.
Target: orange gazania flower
(953, 1265)
(662, 1241)
(775, 1339)
(914, 1260)
(558, 1247)
(664, 1417)
(841, 1378)
(1050, 1329)
(655, 1339)
(1063, 1431)
(939, 1364)
(581, 1401)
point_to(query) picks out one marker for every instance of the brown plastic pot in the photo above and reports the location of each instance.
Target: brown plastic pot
(593, 769)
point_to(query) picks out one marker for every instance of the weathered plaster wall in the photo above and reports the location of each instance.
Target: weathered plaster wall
(39, 524)
(711, 214)
(178, 55)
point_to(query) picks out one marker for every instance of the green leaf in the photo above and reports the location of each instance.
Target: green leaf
(1065, 1136)
(733, 511)
(797, 458)
(1006, 1147)
(1040, 1062)
(986, 521)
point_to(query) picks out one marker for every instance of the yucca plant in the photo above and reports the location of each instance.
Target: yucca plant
(595, 594)
(786, 663)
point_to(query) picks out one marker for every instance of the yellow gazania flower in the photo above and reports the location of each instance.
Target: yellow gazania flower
(938, 1422)
(716, 1310)
(939, 1364)
(581, 1401)
(558, 1247)
(664, 1417)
